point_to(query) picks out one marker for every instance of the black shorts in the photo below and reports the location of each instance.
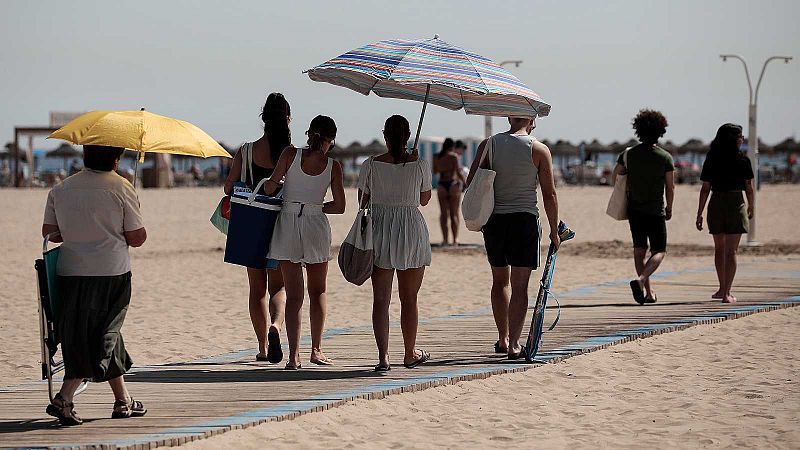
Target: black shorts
(512, 240)
(646, 227)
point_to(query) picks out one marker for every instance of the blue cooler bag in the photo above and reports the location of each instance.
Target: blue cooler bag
(253, 218)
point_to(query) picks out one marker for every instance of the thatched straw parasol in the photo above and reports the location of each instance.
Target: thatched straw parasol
(64, 151)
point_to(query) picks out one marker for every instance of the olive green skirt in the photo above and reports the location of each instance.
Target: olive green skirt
(727, 213)
(92, 312)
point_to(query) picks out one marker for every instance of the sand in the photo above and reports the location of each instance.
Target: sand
(188, 304)
(711, 386)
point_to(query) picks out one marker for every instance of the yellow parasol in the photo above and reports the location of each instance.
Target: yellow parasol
(141, 131)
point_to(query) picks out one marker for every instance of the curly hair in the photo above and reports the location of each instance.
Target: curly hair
(649, 125)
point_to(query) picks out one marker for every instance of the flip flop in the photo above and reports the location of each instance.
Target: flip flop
(322, 362)
(383, 368)
(261, 358)
(638, 293)
(290, 366)
(518, 355)
(274, 350)
(498, 349)
(652, 299)
(425, 356)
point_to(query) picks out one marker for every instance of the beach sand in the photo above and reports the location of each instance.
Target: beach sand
(188, 304)
(732, 384)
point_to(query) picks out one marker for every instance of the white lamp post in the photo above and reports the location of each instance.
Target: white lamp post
(487, 127)
(752, 135)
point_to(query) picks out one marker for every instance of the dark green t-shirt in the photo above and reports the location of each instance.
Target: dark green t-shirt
(647, 166)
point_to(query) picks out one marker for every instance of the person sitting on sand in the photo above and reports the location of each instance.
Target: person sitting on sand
(447, 165)
(302, 235)
(266, 315)
(650, 176)
(512, 234)
(397, 183)
(726, 173)
(95, 213)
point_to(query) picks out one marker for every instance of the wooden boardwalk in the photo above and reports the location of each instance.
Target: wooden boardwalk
(231, 392)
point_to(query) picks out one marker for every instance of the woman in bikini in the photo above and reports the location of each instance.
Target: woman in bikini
(267, 315)
(451, 180)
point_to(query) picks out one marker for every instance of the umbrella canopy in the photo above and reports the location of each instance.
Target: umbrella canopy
(64, 151)
(693, 146)
(142, 131)
(434, 71)
(786, 146)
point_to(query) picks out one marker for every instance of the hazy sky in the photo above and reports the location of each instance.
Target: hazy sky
(213, 63)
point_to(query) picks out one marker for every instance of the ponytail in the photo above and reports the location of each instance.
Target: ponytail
(275, 115)
(321, 128)
(446, 146)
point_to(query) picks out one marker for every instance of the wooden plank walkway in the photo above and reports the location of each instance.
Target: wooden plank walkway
(231, 392)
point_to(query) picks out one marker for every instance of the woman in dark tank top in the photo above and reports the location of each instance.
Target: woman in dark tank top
(726, 173)
(267, 315)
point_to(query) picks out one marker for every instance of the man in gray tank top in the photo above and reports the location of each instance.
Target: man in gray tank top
(512, 234)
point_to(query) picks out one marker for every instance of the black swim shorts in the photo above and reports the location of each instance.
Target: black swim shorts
(512, 240)
(646, 227)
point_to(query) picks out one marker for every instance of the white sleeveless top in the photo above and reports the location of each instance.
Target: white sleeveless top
(300, 187)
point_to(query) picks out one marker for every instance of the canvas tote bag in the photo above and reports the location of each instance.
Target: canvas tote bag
(478, 202)
(222, 215)
(618, 203)
(357, 253)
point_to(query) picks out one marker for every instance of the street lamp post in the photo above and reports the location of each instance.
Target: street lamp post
(487, 127)
(752, 135)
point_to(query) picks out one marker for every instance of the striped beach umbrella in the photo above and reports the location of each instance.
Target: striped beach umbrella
(432, 71)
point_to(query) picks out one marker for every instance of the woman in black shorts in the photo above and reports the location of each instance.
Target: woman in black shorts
(726, 173)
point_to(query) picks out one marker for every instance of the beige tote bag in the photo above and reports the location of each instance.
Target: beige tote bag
(478, 202)
(618, 203)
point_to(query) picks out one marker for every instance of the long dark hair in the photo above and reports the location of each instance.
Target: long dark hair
(275, 115)
(447, 145)
(321, 127)
(724, 149)
(396, 131)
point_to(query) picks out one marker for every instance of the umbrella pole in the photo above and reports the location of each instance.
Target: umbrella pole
(136, 169)
(422, 116)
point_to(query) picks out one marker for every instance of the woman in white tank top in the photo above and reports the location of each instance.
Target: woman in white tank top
(302, 235)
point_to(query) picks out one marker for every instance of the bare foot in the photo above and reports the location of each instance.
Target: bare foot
(729, 299)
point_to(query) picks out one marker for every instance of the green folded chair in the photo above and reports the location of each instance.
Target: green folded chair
(49, 309)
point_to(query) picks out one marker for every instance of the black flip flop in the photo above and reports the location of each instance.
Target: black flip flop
(383, 368)
(274, 350)
(638, 293)
(425, 356)
(498, 349)
(518, 355)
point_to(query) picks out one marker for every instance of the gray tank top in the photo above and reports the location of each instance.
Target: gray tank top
(517, 175)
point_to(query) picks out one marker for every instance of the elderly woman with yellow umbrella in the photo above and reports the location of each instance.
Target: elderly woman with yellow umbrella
(95, 213)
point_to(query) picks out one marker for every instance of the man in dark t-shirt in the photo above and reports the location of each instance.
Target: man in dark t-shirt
(650, 173)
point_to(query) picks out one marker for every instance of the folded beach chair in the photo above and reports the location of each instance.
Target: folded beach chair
(49, 309)
(531, 347)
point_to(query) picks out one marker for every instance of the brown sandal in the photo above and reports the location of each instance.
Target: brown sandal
(65, 413)
(124, 410)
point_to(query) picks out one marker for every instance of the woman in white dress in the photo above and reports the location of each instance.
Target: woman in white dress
(302, 235)
(397, 183)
